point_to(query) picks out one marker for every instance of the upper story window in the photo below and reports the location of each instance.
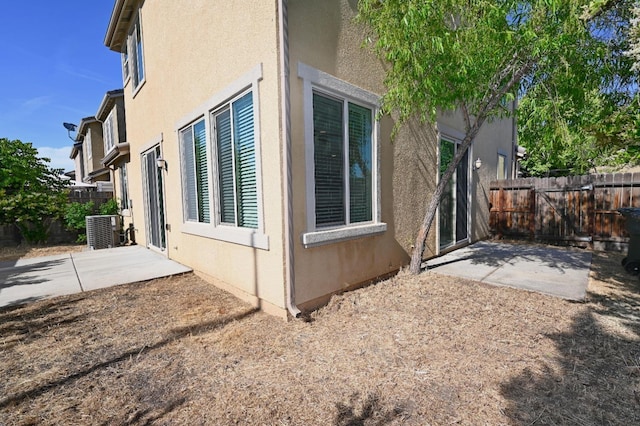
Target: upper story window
(341, 140)
(87, 141)
(108, 133)
(133, 56)
(220, 152)
(125, 63)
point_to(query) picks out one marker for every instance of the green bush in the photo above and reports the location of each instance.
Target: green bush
(109, 208)
(74, 218)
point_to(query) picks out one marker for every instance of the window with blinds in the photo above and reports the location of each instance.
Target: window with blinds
(193, 145)
(343, 153)
(220, 166)
(235, 142)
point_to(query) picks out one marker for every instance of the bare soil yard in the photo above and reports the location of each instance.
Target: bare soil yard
(408, 351)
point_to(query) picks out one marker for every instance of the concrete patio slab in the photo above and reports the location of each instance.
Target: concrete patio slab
(560, 272)
(28, 280)
(122, 265)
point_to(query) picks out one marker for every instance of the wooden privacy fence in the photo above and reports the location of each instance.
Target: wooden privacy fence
(577, 210)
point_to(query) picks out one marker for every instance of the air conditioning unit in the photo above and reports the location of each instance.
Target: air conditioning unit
(102, 231)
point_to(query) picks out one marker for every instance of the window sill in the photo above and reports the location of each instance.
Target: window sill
(242, 236)
(319, 238)
(136, 89)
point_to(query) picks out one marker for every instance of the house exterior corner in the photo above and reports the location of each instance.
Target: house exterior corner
(210, 150)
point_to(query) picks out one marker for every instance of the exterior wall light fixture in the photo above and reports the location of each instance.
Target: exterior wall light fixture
(161, 163)
(477, 164)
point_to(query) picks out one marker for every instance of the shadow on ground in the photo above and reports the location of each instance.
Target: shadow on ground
(172, 336)
(496, 254)
(595, 379)
(19, 275)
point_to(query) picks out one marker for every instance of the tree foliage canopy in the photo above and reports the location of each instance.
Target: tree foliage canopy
(450, 54)
(587, 113)
(472, 55)
(31, 193)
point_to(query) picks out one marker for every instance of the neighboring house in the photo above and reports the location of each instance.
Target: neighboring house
(257, 156)
(89, 136)
(77, 155)
(115, 148)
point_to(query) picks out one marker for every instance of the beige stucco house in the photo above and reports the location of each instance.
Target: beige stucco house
(88, 151)
(256, 156)
(115, 146)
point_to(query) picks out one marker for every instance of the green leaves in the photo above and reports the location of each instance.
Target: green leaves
(31, 193)
(451, 54)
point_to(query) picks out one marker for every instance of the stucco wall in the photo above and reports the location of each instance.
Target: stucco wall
(324, 36)
(192, 53)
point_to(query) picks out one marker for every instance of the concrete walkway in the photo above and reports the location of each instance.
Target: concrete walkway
(28, 280)
(561, 272)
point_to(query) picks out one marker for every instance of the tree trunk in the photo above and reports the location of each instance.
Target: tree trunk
(432, 207)
(494, 96)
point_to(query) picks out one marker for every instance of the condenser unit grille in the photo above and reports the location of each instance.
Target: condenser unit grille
(101, 231)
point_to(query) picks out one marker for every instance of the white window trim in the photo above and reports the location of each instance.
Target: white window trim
(314, 79)
(215, 230)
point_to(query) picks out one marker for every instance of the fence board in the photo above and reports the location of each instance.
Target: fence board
(574, 210)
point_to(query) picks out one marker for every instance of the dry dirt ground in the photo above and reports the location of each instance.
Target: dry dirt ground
(426, 350)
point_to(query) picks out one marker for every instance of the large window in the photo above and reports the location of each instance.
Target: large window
(220, 154)
(343, 153)
(193, 144)
(108, 133)
(234, 133)
(343, 200)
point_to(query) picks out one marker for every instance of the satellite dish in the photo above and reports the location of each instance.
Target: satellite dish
(70, 126)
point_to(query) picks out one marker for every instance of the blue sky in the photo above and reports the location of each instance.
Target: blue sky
(55, 69)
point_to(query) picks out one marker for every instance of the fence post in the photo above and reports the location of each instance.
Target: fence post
(532, 213)
(501, 202)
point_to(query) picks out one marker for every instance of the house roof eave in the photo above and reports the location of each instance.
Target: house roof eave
(77, 147)
(84, 123)
(108, 101)
(119, 151)
(119, 23)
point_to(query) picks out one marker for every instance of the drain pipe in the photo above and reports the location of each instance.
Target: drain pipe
(289, 274)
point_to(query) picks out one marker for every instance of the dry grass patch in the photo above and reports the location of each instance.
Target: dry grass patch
(411, 350)
(27, 251)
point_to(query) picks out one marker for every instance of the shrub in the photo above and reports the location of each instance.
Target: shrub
(109, 208)
(74, 218)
